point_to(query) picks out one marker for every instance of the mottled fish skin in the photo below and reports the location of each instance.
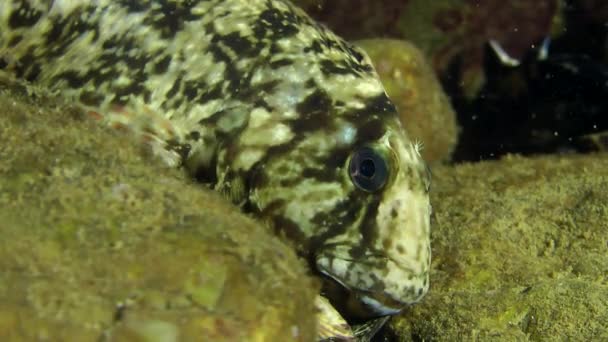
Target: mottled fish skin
(260, 102)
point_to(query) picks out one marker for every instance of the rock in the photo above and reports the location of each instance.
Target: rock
(519, 252)
(99, 242)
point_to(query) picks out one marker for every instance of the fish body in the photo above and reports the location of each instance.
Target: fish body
(261, 103)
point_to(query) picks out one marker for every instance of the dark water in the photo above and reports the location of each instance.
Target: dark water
(545, 105)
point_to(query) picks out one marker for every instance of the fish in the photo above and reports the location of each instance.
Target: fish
(260, 103)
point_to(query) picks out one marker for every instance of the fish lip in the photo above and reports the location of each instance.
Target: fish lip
(365, 296)
(366, 301)
(379, 307)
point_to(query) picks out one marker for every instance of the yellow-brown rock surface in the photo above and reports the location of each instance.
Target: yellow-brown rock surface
(98, 242)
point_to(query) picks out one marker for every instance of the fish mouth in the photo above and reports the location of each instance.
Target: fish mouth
(355, 302)
(381, 305)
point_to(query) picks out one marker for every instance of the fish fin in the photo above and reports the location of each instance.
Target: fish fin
(331, 325)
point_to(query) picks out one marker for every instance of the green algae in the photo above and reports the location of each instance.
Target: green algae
(520, 253)
(206, 288)
(100, 242)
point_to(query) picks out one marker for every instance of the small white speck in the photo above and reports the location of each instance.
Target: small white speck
(347, 135)
(295, 331)
(502, 55)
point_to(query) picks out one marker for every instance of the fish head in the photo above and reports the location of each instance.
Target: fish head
(383, 258)
(353, 196)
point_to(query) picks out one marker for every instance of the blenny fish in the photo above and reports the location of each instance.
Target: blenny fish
(262, 104)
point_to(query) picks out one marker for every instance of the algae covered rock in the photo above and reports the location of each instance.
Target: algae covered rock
(99, 242)
(519, 252)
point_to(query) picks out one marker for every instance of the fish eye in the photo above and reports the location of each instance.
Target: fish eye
(368, 169)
